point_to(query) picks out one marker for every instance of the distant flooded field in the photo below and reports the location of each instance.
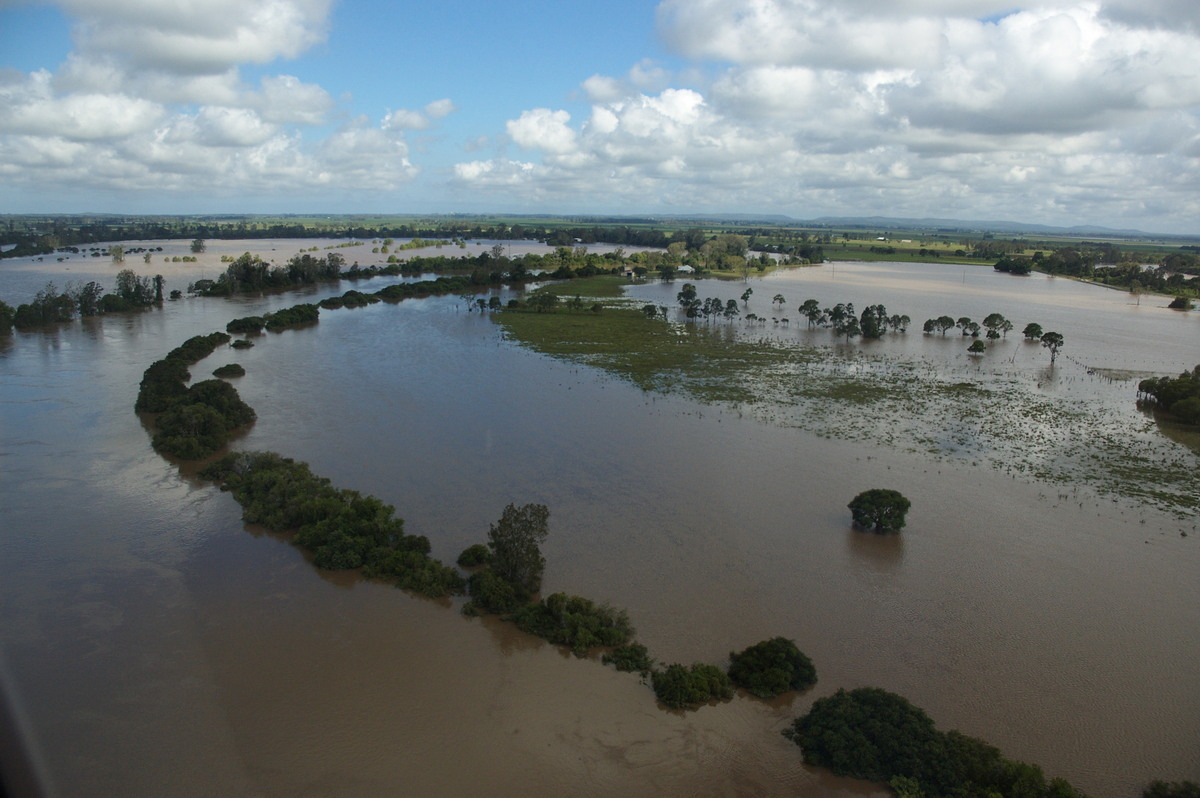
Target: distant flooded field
(156, 646)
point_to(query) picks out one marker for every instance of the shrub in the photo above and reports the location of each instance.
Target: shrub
(630, 657)
(576, 622)
(229, 370)
(246, 325)
(491, 593)
(772, 667)
(474, 556)
(680, 687)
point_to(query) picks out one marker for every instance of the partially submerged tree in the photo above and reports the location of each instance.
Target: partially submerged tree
(771, 668)
(880, 509)
(515, 540)
(1052, 341)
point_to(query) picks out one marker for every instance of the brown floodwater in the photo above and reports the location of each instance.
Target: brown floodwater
(153, 645)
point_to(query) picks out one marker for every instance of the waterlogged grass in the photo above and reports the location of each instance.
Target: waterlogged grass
(996, 419)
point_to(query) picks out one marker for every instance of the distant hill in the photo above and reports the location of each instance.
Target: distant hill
(966, 226)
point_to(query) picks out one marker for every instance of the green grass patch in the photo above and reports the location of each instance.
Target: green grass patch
(706, 361)
(603, 286)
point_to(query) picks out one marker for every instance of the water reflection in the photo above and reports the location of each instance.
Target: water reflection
(881, 553)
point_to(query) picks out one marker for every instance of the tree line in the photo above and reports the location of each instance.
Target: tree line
(80, 299)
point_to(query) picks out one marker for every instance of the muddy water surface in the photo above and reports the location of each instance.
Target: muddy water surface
(155, 646)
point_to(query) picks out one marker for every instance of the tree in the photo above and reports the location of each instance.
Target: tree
(847, 326)
(977, 347)
(198, 245)
(811, 310)
(746, 294)
(943, 323)
(1052, 341)
(880, 509)
(1032, 331)
(515, 543)
(686, 296)
(771, 668)
(117, 252)
(7, 313)
(778, 299)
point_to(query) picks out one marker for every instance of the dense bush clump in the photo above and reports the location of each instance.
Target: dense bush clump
(294, 316)
(680, 687)
(246, 325)
(630, 657)
(772, 667)
(475, 555)
(342, 528)
(576, 622)
(350, 299)
(201, 421)
(1179, 396)
(491, 593)
(230, 370)
(869, 733)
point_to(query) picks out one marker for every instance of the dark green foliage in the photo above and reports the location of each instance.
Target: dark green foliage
(163, 383)
(680, 687)
(48, 307)
(246, 325)
(1174, 789)
(294, 316)
(576, 622)
(872, 734)
(475, 555)
(515, 540)
(6, 318)
(342, 528)
(1013, 265)
(492, 593)
(1180, 303)
(350, 299)
(415, 571)
(198, 347)
(630, 657)
(230, 370)
(880, 509)
(201, 421)
(1179, 396)
(242, 343)
(772, 667)
(867, 733)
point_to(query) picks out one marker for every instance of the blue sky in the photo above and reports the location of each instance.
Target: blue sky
(1061, 112)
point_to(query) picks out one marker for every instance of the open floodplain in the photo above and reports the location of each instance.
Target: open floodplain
(1043, 596)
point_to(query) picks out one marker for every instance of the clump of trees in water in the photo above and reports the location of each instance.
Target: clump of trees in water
(193, 422)
(771, 668)
(1178, 396)
(869, 733)
(51, 306)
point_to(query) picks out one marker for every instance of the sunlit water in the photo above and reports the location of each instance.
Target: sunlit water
(155, 647)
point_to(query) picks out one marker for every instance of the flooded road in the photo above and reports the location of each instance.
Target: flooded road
(154, 646)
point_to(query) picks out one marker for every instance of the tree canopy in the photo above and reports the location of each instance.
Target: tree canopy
(771, 668)
(880, 509)
(515, 541)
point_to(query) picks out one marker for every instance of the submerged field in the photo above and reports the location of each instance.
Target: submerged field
(1069, 424)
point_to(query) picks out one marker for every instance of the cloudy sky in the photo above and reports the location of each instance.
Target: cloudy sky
(1060, 112)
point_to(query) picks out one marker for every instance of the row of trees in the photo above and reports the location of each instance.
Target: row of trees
(51, 306)
(1178, 396)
